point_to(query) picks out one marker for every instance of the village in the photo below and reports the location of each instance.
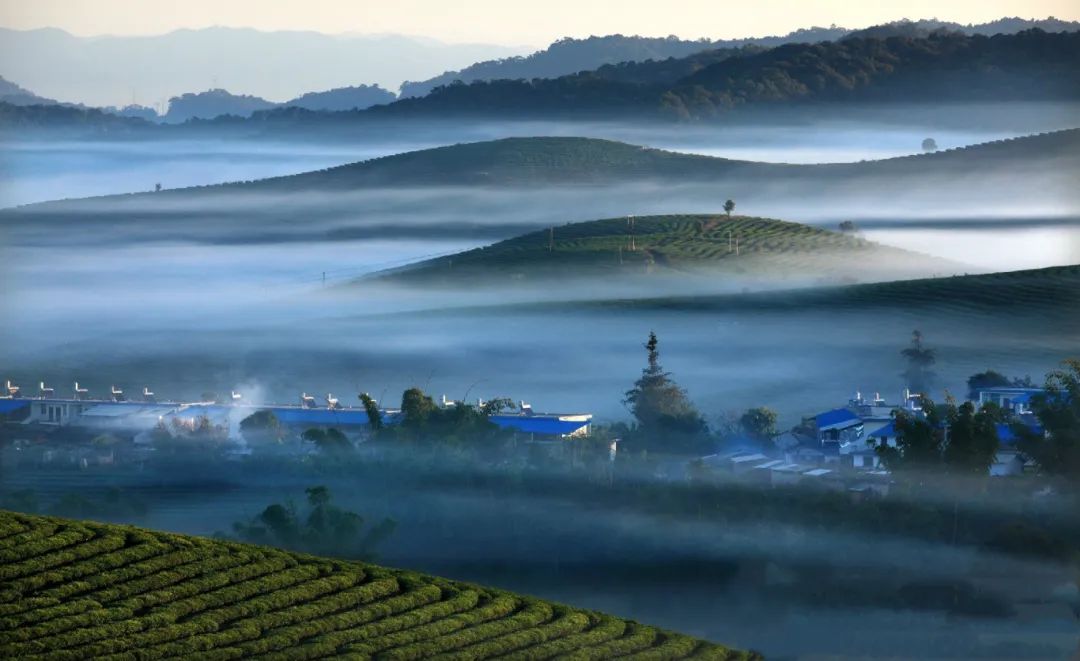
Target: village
(837, 448)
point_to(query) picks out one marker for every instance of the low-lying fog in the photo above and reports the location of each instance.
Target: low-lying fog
(199, 298)
(788, 586)
(39, 170)
(186, 319)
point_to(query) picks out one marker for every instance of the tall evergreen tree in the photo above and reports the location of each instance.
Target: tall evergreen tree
(666, 419)
(920, 359)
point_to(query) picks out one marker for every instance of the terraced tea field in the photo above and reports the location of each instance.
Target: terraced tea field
(686, 244)
(78, 590)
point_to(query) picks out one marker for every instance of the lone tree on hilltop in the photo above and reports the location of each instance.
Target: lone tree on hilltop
(920, 359)
(666, 419)
(929, 145)
(729, 206)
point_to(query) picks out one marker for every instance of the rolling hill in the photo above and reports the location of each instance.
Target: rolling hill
(75, 590)
(689, 245)
(582, 161)
(636, 179)
(1051, 293)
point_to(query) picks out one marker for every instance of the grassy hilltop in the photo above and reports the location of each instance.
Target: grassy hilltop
(675, 245)
(76, 590)
(575, 161)
(572, 160)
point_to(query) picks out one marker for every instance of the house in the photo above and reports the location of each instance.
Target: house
(866, 457)
(1009, 460)
(871, 409)
(12, 410)
(836, 428)
(545, 426)
(1014, 399)
(54, 412)
(122, 416)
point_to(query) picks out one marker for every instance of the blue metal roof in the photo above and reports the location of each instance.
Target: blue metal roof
(536, 424)
(198, 410)
(292, 415)
(887, 430)
(1007, 436)
(1007, 390)
(9, 405)
(835, 417)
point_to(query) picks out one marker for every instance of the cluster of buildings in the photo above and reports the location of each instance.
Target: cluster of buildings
(839, 444)
(138, 416)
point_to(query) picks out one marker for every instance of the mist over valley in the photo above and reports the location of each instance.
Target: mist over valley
(787, 373)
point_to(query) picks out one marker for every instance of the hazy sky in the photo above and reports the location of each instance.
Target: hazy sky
(516, 22)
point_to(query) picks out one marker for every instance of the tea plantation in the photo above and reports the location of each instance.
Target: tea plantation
(673, 244)
(78, 590)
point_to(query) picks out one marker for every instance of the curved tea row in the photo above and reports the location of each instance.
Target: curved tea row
(77, 590)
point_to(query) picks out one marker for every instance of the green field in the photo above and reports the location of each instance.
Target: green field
(77, 590)
(571, 160)
(682, 244)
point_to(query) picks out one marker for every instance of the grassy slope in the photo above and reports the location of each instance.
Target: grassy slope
(574, 161)
(659, 244)
(589, 160)
(73, 590)
(1050, 291)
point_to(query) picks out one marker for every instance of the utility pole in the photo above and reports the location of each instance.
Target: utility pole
(736, 246)
(729, 241)
(551, 239)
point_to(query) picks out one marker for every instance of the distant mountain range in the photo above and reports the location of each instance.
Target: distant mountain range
(148, 70)
(18, 96)
(940, 68)
(569, 56)
(218, 102)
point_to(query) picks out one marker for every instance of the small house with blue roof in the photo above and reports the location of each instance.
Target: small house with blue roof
(1014, 399)
(544, 426)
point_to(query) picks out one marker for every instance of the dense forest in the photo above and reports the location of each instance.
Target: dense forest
(942, 66)
(569, 56)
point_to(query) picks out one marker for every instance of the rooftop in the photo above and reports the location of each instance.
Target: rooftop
(836, 418)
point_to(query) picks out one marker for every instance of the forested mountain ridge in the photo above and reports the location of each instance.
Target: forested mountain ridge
(343, 98)
(569, 56)
(1031, 65)
(19, 96)
(218, 102)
